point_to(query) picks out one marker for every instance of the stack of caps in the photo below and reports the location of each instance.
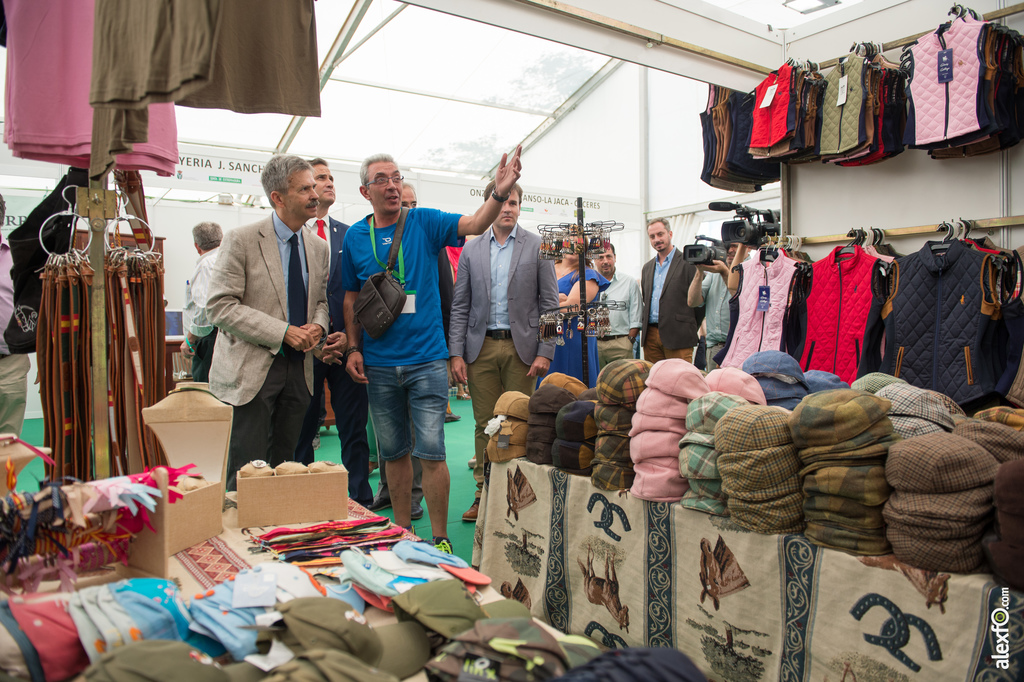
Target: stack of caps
(1006, 555)
(698, 458)
(758, 464)
(916, 411)
(619, 386)
(509, 427)
(544, 405)
(818, 380)
(1003, 441)
(941, 503)
(780, 377)
(873, 382)
(843, 437)
(658, 424)
(576, 429)
(569, 383)
(1012, 417)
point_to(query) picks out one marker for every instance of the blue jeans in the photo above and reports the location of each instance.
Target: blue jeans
(407, 405)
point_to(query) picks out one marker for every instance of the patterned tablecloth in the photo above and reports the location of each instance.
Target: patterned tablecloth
(746, 607)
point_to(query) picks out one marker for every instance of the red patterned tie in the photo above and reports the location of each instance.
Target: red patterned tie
(320, 229)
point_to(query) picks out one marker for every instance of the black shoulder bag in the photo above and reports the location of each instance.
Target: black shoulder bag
(382, 298)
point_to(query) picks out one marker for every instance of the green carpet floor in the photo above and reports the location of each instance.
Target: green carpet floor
(458, 442)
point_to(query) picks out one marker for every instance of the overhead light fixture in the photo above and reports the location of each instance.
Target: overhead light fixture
(809, 6)
(225, 199)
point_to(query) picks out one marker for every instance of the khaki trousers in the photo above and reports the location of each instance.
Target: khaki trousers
(13, 392)
(497, 369)
(613, 349)
(654, 351)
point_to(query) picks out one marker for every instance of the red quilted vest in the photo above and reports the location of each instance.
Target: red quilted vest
(770, 124)
(837, 312)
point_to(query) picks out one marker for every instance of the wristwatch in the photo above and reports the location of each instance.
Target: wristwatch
(500, 200)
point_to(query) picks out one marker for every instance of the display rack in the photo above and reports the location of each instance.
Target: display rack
(586, 240)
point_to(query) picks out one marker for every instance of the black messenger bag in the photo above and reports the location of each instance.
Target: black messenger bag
(382, 297)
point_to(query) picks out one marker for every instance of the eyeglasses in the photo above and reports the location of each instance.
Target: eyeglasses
(383, 182)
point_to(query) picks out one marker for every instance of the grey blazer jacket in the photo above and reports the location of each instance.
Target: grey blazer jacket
(532, 288)
(678, 323)
(249, 304)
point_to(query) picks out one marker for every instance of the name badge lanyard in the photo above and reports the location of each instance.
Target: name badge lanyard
(401, 256)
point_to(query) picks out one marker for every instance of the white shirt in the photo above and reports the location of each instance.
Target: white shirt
(197, 290)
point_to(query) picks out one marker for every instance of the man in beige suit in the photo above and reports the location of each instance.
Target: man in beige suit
(268, 297)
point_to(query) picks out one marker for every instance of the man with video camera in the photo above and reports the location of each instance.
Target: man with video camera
(712, 292)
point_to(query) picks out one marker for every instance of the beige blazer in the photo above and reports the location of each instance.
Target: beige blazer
(249, 304)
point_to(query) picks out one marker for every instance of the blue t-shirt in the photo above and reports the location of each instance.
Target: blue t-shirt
(417, 337)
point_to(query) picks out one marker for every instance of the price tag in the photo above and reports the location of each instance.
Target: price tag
(946, 65)
(841, 98)
(505, 436)
(769, 95)
(764, 299)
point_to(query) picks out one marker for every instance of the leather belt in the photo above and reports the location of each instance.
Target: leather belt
(652, 324)
(613, 337)
(499, 333)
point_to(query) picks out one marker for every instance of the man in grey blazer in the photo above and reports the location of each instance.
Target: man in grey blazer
(669, 324)
(500, 291)
(268, 297)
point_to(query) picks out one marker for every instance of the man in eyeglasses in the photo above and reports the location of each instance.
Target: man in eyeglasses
(405, 369)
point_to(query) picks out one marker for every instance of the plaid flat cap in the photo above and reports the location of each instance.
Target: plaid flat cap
(513, 404)
(865, 485)
(1014, 418)
(613, 419)
(768, 494)
(647, 422)
(819, 380)
(569, 383)
(752, 427)
(871, 444)
(911, 427)
(622, 381)
(785, 515)
(757, 470)
(574, 457)
(1002, 442)
(709, 488)
(947, 514)
(657, 403)
(699, 461)
(842, 512)
(874, 382)
(704, 413)
(701, 440)
(550, 399)
(707, 505)
(948, 556)
(589, 394)
(612, 449)
(911, 405)
(951, 405)
(575, 421)
(832, 417)
(677, 378)
(609, 476)
(851, 541)
(939, 463)
(735, 381)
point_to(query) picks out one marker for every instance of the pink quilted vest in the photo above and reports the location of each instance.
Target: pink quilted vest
(755, 330)
(941, 111)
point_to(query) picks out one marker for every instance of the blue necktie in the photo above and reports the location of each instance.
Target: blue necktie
(296, 287)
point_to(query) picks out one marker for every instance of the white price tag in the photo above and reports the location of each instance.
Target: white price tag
(410, 304)
(841, 98)
(769, 95)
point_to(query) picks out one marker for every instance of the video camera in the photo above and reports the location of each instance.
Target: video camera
(751, 226)
(705, 254)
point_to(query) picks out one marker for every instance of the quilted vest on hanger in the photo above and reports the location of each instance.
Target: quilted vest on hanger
(770, 124)
(938, 318)
(940, 111)
(840, 123)
(756, 330)
(837, 312)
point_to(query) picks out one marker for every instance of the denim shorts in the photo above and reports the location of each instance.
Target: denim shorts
(407, 406)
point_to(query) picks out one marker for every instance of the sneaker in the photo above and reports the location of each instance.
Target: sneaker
(316, 442)
(417, 512)
(443, 545)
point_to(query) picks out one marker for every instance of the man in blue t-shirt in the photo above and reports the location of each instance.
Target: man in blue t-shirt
(406, 369)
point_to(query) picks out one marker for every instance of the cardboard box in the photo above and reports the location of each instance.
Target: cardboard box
(194, 518)
(298, 498)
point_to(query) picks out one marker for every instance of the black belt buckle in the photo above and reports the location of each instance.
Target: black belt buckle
(499, 333)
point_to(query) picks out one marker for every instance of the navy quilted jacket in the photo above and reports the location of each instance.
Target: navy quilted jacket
(939, 320)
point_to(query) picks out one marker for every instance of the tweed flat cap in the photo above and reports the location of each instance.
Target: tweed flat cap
(770, 493)
(701, 503)
(538, 452)
(755, 470)
(541, 434)
(575, 421)
(610, 476)
(656, 402)
(704, 413)
(911, 427)
(818, 380)
(860, 542)
(911, 406)
(514, 404)
(1009, 482)
(735, 381)
(939, 463)
(951, 405)
(647, 422)
(550, 399)
(947, 514)
(699, 461)
(569, 383)
(835, 416)
(1012, 417)
(785, 515)
(701, 440)
(709, 488)
(612, 449)
(863, 484)
(954, 556)
(678, 378)
(843, 512)
(622, 381)
(752, 427)
(589, 394)
(871, 444)
(657, 482)
(874, 381)
(575, 457)
(613, 419)
(1002, 442)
